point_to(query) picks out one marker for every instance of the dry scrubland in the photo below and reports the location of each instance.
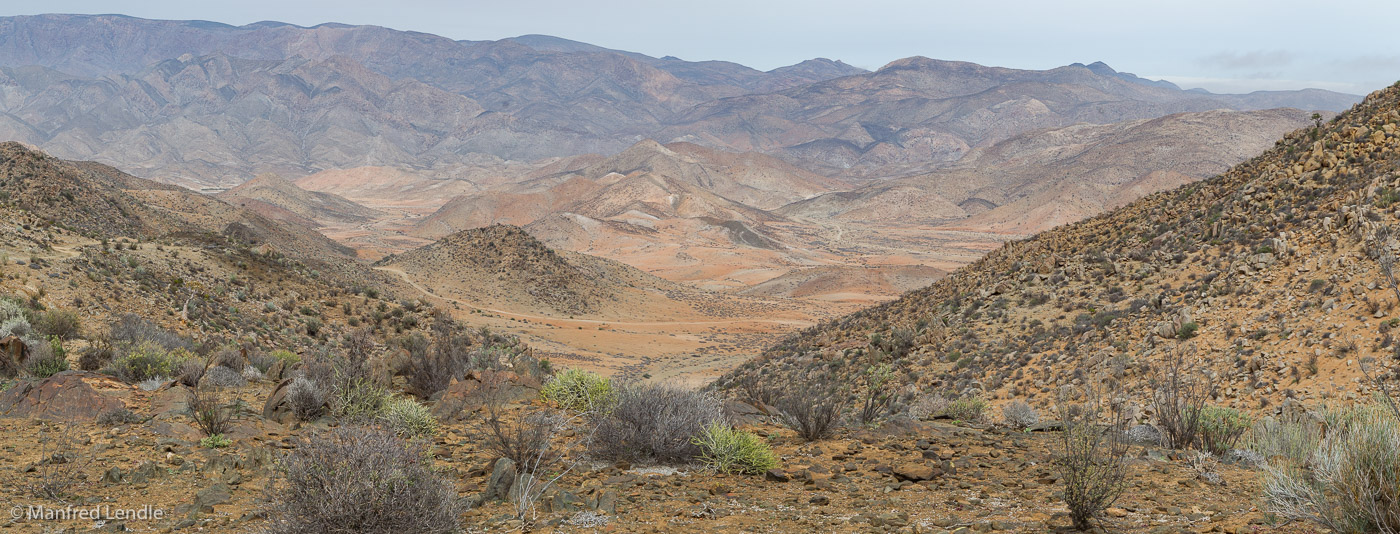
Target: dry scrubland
(1216, 358)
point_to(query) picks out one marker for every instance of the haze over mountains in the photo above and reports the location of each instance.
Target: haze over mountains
(208, 104)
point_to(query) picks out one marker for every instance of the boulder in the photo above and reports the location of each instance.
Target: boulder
(66, 396)
(467, 395)
(916, 472)
(13, 354)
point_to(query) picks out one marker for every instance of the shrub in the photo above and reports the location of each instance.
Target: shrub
(361, 480)
(876, 399)
(16, 326)
(357, 398)
(1179, 402)
(969, 409)
(46, 366)
(1291, 441)
(579, 391)
(1221, 428)
(190, 372)
(62, 324)
(1348, 485)
(216, 441)
(1187, 330)
(119, 416)
(209, 411)
(146, 361)
(96, 356)
(409, 419)
(222, 377)
(307, 399)
(928, 406)
(728, 450)
(654, 422)
(1019, 415)
(133, 331)
(1091, 460)
(811, 409)
(285, 355)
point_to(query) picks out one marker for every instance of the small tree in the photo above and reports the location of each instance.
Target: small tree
(1092, 452)
(1179, 400)
(877, 397)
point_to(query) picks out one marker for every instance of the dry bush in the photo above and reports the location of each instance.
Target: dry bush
(209, 411)
(526, 437)
(813, 408)
(355, 480)
(1019, 414)
(1348, 483)
(307, 398)
(61, 464)
(654, 423)
(222, 377)
(1179, 401)
(190, 372)
(1091, 455)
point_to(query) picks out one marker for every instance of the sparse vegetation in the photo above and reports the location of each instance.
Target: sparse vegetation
(729, 450)
(579, 391)
(209, 411)
(813, 409)
(355, 479)
(654, 423)
(1347, 483)
(1092, 454)
(409, 419)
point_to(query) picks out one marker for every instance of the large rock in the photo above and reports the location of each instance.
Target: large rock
(465, 396)
(917, 472)
(66, 396)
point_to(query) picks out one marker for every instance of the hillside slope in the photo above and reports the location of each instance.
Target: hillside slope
(1269, 269)
(502, 266)
(270, 193)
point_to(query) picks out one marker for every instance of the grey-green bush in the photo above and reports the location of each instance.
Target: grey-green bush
(354, 480)
(1348, 484)
(654, 423)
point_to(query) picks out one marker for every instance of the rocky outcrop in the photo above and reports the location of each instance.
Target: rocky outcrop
(66, 396)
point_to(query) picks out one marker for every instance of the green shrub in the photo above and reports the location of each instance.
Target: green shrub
(286, 356)
(580, 391)
(216, 441)
(358, 398)
(729, 450)
(146, 361)
(47, 366)
(1187, 330)
(1221, 428)
(409, 419)
(1348, 485)
(968, 409)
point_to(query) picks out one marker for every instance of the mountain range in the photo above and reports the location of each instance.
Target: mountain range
(212, 105)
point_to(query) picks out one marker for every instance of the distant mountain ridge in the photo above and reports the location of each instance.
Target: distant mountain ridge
(208, 104)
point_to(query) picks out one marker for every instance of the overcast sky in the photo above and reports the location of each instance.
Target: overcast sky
(1221, 45)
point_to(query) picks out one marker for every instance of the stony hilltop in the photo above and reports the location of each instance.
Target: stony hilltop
(1266, 275)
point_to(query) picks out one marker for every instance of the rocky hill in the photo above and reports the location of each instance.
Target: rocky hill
(1270, 277)
(273, 196)
(504, 267)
